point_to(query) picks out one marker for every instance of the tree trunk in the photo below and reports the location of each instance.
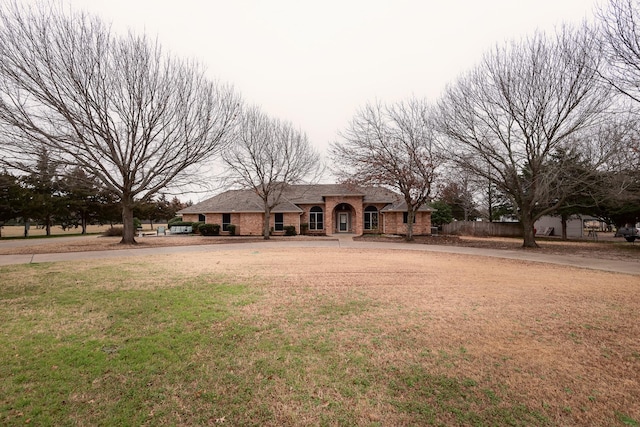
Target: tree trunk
(410, 216)
(47, 225)
(128, 229)
(528, 232)
(83, 222)
(265, 223)
(490, 203)
(563, 221)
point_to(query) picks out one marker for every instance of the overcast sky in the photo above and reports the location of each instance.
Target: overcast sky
(315, 63)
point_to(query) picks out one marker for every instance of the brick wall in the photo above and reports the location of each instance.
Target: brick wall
(190, 217)
(356, 213)
(393, 223)
(250, 224)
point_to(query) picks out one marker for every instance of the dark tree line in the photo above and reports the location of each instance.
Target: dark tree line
(73, 200)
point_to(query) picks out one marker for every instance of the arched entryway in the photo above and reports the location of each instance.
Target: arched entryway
(344, 215)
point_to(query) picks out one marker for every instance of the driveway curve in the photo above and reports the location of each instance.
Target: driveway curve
(346, 242)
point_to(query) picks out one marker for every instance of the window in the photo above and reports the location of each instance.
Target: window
(226, 220)
(202, 218)
(316, 220)
(279, 222)
(371, 218)
(405, 217)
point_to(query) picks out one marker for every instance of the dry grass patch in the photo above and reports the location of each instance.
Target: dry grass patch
(319, 337)
(561, 339)
(100, 243)
(18, 230)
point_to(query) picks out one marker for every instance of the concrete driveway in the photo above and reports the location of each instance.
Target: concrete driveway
(339, 242)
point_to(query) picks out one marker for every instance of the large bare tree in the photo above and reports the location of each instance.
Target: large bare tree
(527, 106)
(620, 32)
(268, 155)
(120, 108)
(391, 146)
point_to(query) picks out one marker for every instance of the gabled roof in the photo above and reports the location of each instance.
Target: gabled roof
(249, 201)
(237, 201)
(401, 206)
(309, 194)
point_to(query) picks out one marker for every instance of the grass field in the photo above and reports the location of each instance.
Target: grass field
(318, 337)
(18, 231)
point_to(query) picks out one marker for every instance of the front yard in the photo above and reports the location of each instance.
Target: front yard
(318, 337)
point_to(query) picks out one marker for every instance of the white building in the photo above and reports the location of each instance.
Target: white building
(578, 226)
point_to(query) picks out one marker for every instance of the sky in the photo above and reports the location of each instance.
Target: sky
(315, 63)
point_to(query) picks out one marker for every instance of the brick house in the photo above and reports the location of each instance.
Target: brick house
(326, 209)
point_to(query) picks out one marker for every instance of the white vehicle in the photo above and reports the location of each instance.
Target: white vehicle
(629, 233)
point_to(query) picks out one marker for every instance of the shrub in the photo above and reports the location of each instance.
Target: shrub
(196, 226)
(304, 227)
(174, 221)
(231, 229)
(290, 230)
(209, 229)
(113, 231)
(137, 223)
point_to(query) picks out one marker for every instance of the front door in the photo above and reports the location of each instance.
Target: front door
(343, 222)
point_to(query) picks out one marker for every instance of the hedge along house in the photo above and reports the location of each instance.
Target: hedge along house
(322, 209)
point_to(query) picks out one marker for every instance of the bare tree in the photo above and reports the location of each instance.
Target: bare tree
(457, 191)
(118, 107)
(267, 156)
(391, 146)
(620, 30)
(524, 103)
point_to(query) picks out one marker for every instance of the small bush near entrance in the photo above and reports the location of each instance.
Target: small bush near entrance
(210, 229)
(290, 230)
(231, 229)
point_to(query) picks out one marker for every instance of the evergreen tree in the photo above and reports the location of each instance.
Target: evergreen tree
(11, 198)
(43, 196)
(82, 197)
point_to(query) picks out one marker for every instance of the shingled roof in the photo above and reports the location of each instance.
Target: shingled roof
(237, 201)
(308, 194)
(249, 201)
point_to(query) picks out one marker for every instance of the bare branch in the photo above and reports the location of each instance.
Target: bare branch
(391, 146)
(525, 103)
(266, 156)
(118, 107)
